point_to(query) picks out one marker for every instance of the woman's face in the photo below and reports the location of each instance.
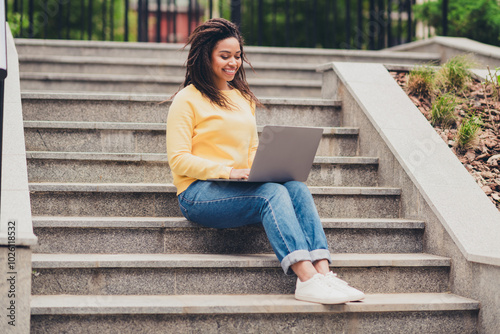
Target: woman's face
(226, 60)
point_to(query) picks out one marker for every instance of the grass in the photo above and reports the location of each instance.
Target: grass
(468, 132)
(443, 111)
(420, 81)
(492, 82)
(454, 75)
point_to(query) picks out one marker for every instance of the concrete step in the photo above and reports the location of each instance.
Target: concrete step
(154, 67)
(114, 137)
(195, 274)
(154, 168)
(94, 107)
(152, 83)
(177, 235)
(377, 313)
(159, 200)
(254, 54)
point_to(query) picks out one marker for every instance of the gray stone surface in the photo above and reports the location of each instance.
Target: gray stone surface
(255, 54)
(137, 222)
(15, 193)
(180, 222)
(449, 47)
(436, 172)
(123, 138)
(140, 168)
(94, 125)
(226, 260)
(170, 188)
(102, 240)
(159, 200)
(129, 239)
(153, 67)
(16, 229)
(207, 281)
(76, 82)
(69, 82)
(358, 206)
(377, 323)
(41, 170)
(105, 204)
(157, 281)
(117, 206)
(177, 235)
(105, 65)
(473, 280)
(418, 322)
(464, 275)
(92, 140)
(259, 323)
(247, 304)
(15, 289)
(373, 223)
(343, 175)
(99, 156)
(293, 112)
(98, 107)
(180, 274)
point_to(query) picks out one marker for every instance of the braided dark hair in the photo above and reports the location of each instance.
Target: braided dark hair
(199, 63)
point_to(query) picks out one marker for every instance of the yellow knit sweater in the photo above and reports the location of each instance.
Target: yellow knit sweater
(205, 141)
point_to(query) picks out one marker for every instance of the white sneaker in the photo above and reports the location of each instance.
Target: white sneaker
(333, 281)
(316, 290)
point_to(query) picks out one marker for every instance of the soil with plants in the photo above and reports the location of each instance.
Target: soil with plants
(471, 125)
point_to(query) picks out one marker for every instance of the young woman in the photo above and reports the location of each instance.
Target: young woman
(212, 133)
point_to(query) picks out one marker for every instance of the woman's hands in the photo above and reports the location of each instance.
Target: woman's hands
(239, 173)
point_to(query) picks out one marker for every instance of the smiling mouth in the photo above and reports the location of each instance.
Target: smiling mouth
(230, 72)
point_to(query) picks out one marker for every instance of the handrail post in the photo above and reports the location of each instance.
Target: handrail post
(409, 20)
(236, 12)
(445, 17)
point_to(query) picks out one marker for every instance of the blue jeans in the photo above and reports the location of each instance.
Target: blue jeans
(287, 211)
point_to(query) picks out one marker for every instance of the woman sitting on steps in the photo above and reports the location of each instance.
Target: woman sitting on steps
(212, 133)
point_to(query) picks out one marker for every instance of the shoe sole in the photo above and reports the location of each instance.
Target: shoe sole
(321, 300)
(357, 299)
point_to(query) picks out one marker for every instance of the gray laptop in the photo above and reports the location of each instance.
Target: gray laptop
(285, 153)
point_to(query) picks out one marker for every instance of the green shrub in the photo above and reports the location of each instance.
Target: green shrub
(443, 111)
(46, 16)
(468, 132)
(420, 81)
(475, 19)
(15, 23)
(454, 75)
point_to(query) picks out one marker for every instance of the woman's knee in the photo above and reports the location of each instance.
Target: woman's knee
(296, 187)
(272, 190)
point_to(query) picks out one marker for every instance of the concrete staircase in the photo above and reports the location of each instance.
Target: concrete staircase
(115, 254)
(75, 66)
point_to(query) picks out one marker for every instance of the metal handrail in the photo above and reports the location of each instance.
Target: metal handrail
(3, 41)
(345, 24)
(3, 75)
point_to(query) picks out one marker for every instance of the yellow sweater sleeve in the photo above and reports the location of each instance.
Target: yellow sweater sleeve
(180, 128)
(205, 141)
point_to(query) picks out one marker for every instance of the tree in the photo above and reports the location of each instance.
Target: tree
(475, 19)
(68, 19)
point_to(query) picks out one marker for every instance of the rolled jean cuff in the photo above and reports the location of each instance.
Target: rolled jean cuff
(294, 257)
(320, 254)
